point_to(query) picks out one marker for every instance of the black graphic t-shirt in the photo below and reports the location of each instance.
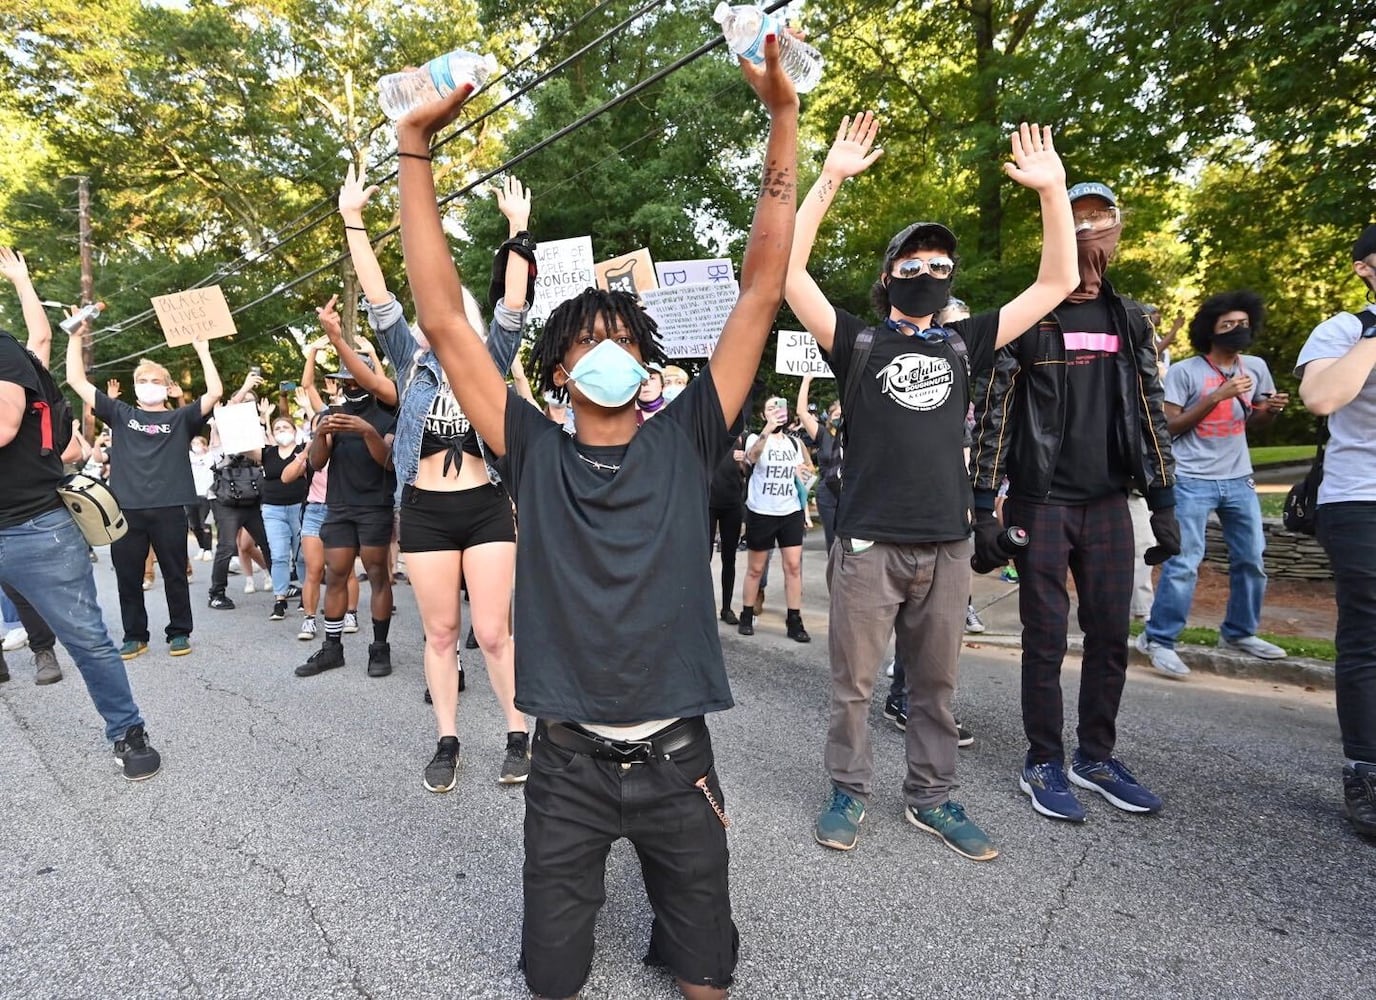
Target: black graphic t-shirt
(150, 453)
(356, 480)
(28, 486)
(447, 429)
(905, 478)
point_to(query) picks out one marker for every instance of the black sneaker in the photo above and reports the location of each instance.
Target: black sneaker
(379, 659)
(4, 669)
(430, 701)
(327, 657)
(279, 611)
(293, 592)
(964, 737)
(896, 711)
(516, 766)
(729, 616)
(747, 622)
(471, 642)
(137, 759)
(442, 772)
(1359, 797)
(221, 603)
(796, 632)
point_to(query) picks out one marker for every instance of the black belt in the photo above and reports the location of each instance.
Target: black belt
(663, 744)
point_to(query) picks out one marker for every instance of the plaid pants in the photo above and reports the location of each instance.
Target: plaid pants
(1094, 543)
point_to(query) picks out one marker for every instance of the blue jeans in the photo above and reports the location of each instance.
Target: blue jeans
(46, 560)
(9, 613)
(283, 525)
(1348, 532)
(1239, 512)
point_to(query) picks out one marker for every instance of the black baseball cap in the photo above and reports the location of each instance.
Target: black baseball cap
(1366, 243)
(918, 232)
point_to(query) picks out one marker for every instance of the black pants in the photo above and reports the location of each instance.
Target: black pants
(196, 513)
(228, 521)
(1094, 542)
(1348, 532)
(725, 523)
(40, 636)
(827, 501)
(164, 528)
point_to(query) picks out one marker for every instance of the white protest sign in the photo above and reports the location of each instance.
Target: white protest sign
(695, 272)
(197, 314)
(238, 427)
(564, 268)
(690, 317)
(800, 355)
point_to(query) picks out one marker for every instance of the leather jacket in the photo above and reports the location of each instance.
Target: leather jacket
(1020, 411)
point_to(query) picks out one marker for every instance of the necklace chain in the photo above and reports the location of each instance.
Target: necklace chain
(604, 466)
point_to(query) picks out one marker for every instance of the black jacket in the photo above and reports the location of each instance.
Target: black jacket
(1020, 410)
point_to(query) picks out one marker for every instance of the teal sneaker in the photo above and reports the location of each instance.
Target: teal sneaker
(839, 823)
(180, 646)
(132, 648)
(949, 822)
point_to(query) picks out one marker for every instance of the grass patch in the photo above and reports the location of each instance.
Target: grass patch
(1272, 504)
(1282, 454)
(1314, 649)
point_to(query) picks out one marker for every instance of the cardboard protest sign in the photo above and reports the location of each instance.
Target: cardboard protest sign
(695, 272)
(196, 314)
(690, 317)
(238, 427)
(800, 355)
(565, 268)
(632, 272)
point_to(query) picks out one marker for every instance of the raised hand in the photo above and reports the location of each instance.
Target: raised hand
(112, 388)
(317, 345)
(424, 121)
(330, 321)
(12, 265)
(85, 326)
(174, 391)
(353, 196)
(513, 201)
(1035, 162)
(770, 83)
(851, 153)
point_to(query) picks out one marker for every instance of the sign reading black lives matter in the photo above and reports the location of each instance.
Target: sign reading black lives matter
(800, 355)
(690, 317)
(196, 314)
(565, 268)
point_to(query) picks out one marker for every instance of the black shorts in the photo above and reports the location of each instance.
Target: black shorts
(574, 813)
(348, 527)
(437, 521)
(762, 531)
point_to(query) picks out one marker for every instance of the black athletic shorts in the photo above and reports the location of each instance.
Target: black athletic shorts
(438, 521)
(349, 527)
(762, 531)
(576, 808)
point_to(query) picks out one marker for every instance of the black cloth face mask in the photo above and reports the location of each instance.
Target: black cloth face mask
(920, 296)
(1239, 338)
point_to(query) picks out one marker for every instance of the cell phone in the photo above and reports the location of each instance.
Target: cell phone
(257, 370)
(286, 386)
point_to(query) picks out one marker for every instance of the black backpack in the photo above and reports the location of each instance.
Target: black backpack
(1301, 512)
(238, 482)
(50, 406)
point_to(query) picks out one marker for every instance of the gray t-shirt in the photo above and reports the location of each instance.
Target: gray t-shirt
(1349, 466)
(1216, 447)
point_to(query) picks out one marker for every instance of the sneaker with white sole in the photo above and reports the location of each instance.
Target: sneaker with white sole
(15, 638)
(1111, 779)
(973, 625)
(249, 587)
(307, 628)
(1050, 793)
(1164, 659)
(350, 622)
(1253, 646)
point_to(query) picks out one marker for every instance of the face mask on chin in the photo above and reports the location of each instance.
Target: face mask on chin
(920, 296)
(1239, 338)
(1094, 248)
(150, 393)
(608, 375)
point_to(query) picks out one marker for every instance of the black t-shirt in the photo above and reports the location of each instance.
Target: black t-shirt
(150, 453)
(728, 479)
(904, 479)
(614, 601)
(356, 480)
(1090, 464)
(28, 478)
(276, 492)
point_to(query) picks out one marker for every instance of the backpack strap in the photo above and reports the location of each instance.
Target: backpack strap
(859, 358)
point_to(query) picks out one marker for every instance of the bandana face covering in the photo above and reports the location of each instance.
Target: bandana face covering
(1094, 248)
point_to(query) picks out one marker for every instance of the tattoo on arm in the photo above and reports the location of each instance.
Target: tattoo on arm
(778, 182)
(824, 192)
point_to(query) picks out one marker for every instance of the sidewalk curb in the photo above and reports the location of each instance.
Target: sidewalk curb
(1291, 670)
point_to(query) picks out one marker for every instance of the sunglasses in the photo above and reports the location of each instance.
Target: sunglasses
(937, 267)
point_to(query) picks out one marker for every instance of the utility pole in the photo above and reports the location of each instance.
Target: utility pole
(83, 194)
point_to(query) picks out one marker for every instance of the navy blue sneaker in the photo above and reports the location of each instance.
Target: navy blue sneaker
(839, 824)
(1111, 779)
(1050, 794)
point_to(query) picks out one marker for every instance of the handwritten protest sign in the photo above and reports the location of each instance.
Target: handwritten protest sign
(800, 355)
(632, 272)
(238, 427)
(197, 314)
(565, 269)
(695, 272)
(690, 317)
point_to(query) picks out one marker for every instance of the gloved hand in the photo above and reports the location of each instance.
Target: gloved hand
(1167, 531)
(988, 555)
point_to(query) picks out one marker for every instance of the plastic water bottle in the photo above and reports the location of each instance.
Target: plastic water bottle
(84, 314)
(398, 93)
(745, 28)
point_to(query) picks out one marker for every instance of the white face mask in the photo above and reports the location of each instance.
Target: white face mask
(671, 392)
(285, 438)
(150, 393)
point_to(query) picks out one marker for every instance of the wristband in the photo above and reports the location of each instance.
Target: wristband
(415, 156)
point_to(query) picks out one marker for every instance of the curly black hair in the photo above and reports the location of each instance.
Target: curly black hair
(581, 313)
(1202, 326)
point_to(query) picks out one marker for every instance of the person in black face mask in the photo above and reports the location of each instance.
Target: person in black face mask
(1212, 400)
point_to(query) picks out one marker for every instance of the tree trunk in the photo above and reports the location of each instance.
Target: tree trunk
(989, 161)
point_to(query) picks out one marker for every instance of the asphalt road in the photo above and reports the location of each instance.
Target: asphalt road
(288, 848)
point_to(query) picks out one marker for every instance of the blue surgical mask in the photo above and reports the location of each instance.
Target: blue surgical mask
(671, 392)
(608, 375)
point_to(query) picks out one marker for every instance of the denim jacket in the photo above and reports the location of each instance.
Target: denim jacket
(419, 378)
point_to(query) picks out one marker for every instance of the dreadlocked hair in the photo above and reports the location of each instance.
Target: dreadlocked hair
(581, 313)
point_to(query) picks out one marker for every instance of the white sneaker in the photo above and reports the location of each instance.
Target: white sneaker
(888, 669)
(307, 629)
(350, 622)
(15, 638)
(206, 555)
(249, 588)
(973, 624)
(234, 566)
(1164, 659)
(1253, 646)
(267, 581)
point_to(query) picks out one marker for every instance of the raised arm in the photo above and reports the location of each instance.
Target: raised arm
(1035, 165)
(13, 267)
(214, 388)
(850, 154)
(520, 383)
(76, 366)
(479, 387)
(736, 358)
(353, 197)
(805, 417)
(308, 375)
(369, 378)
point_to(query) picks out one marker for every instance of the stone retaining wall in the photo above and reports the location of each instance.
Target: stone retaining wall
(1288, 556)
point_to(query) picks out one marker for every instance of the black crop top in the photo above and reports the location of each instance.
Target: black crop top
(447, 430)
